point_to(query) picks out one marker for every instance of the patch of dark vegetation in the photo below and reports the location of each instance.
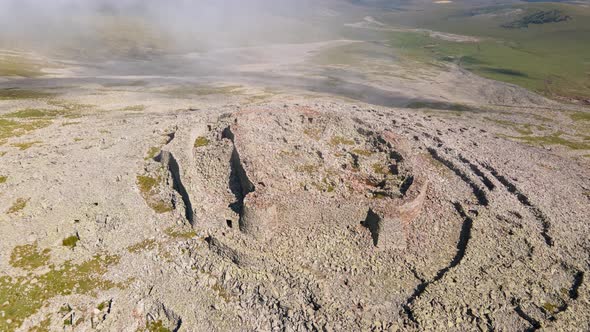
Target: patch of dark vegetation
(18, 205)
(12, 128)
(504, 71)
(553, 139)
(462, 244)
(29, 257)
(156, 326)
(524, 200)
(477, 191)
(15, 93)
(71, 241)
(149, 189)
(538, 18)
(490, 10)
(180, 233)
(201, 142)
(35, 113)
(23, 296)
(470, 60)
(441, 106)
(580, 116)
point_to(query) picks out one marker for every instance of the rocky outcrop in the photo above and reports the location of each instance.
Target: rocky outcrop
(301, 168)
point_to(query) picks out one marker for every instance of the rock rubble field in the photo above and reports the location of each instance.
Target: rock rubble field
(287, 216)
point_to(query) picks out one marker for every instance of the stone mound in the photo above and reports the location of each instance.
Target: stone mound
(302, 167)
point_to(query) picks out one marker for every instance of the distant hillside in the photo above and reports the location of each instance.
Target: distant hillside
(540, 17)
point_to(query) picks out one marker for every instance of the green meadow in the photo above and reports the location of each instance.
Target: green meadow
(552, 58)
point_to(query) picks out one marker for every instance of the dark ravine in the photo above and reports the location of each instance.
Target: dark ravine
(477, 191)
(524, 200)
(486, 181)
(239, 172)
(170, 162)
(464, 236)
(578, 281)
(462, 244)
(239, 183)
(170, 137)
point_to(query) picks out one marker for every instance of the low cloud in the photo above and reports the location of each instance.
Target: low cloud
(142, 27)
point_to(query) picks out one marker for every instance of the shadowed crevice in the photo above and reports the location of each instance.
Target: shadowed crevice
(535, 324)
(464, 237)
(477, 191)
(486, 181)
(373, 223)
(239, 183)
(524, 200)
(174, 169)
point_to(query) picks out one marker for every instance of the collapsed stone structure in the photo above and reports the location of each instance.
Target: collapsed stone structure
(302, 167)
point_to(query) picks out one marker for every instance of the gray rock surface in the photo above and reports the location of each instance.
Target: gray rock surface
(309, 215)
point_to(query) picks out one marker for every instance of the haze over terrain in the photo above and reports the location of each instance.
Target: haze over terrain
(328, 165)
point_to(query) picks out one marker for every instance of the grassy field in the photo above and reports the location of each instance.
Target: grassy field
(552, 58)
(13, 65)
